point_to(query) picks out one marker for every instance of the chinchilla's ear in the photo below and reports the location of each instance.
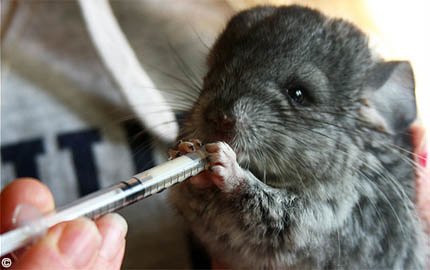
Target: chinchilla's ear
(236, 28)
(389, 101)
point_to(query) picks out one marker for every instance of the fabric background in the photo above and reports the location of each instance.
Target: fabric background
(63, 120)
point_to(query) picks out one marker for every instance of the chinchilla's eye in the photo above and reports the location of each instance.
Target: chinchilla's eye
(296, 94)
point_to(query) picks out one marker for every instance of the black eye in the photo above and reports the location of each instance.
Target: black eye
(297, 94)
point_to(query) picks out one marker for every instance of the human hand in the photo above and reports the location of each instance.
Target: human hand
(77, 244)
(423, 174)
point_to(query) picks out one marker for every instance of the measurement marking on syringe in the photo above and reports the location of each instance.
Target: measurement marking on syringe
(115, 197)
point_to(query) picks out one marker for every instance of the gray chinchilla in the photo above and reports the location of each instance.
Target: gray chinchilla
(309, 148)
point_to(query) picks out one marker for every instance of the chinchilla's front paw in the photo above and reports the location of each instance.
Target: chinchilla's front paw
(184, 147)
(226, 173)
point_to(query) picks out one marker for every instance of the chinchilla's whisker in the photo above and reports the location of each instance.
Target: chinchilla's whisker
(201, 40)
(385, 175)
(149, 145)
(299, 174)
(387, 200)
(393, 183)
(195, 90)
(178, 107)
(407, 159)
(178, 104)
(388, 144)
(187, 135)
(180, 95)
(185, 69)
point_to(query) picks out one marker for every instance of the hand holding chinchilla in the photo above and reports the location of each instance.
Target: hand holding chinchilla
(306, 130)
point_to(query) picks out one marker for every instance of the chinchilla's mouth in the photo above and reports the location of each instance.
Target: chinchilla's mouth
(226, 137)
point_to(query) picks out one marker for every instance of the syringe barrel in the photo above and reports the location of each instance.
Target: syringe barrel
(140, 186)
(110, 199)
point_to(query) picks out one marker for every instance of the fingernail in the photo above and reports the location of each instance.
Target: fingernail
(22, 215)
(79, 242)
(113, 235)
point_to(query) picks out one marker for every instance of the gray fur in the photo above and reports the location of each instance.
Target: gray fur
(324, 184)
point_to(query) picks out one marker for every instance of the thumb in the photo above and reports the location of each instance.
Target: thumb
(74, 244)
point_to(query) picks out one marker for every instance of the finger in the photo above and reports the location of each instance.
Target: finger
(418, 136)
(212, 147)
(113, 229)
(419, 143)
(117, 261)
(24, 191)
(173, 154)
(197, 143)
(203, 180)
(423, 197)
(186, 147)
(71, 245)
(423, 175)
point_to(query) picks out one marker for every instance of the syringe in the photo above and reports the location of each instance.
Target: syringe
(109, 199)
